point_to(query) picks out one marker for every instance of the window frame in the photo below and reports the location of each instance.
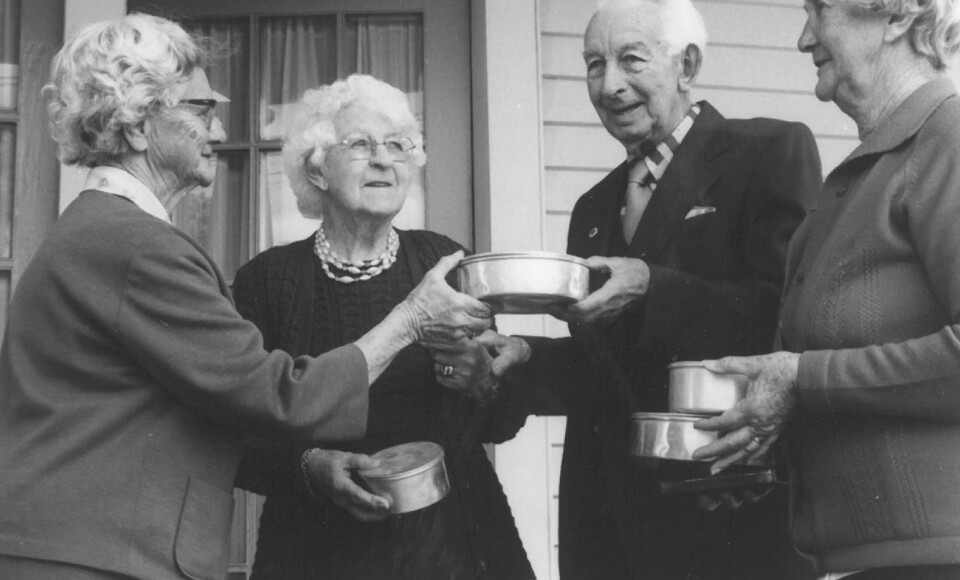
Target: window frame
(37, 171)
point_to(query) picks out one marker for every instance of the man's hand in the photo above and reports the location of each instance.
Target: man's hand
(628, 283)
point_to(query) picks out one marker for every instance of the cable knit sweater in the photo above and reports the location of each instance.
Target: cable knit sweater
(873, 302)
(471, 532)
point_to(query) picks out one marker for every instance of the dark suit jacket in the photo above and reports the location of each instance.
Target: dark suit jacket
(714, 235)
(126, 380)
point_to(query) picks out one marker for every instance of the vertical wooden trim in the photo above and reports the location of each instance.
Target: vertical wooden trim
(38, 173)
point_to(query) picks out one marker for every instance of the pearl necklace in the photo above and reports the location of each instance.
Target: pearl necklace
(354, 271)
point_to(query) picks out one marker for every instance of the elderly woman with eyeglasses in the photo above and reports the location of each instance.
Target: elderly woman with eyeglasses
(352, 157)
(127, 377)
(867, 389)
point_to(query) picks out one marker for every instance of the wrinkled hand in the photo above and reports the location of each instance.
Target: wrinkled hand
(477, 364)
(732, 499)
(628, 283)
(437, 313)
(756, 422)
(330, 472)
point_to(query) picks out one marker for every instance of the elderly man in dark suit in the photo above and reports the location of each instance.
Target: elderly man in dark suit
(692, 230)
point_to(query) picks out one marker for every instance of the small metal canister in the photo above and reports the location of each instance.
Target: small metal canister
(667, 435)
(411, 476)
(695, 389)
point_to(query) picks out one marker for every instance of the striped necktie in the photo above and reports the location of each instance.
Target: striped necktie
(639, 181)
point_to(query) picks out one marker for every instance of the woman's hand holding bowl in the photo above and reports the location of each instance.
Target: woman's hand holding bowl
(330, 472)
(436, 313)
(753, 425)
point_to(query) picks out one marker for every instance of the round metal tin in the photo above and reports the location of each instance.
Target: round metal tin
(411, 476)
(695, 389)
(524, 282)
(667, 435)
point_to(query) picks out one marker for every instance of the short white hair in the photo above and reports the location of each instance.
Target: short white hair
(935, 33)
(312, 129)
(111, 76)
(681, 22)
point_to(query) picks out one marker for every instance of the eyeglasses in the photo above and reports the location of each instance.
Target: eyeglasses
(203, 108)
(365, 147)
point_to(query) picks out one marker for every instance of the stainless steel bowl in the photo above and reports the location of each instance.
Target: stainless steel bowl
(412, 476)
(695, 389)
(665, 442)
(524, 282)
(667, 435)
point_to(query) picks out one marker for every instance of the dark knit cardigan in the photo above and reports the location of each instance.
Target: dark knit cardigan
(468, 534)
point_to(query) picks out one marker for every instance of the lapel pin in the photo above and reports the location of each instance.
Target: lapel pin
(592, 233)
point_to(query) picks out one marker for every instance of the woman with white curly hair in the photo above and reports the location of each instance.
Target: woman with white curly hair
(127, 377)
(867, 389)
(351, 156)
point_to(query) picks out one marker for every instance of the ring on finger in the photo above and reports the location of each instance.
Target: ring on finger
(446, 370)
(754, 444)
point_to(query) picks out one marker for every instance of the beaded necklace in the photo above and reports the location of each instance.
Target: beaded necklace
(347, 272)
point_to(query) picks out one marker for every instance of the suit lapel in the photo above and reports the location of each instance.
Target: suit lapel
(601, 216)
(695, 167)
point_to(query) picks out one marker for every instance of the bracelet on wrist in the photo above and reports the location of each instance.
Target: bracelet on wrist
(304, 459)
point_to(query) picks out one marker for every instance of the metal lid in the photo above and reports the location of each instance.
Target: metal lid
(490, 256)
(404, 460)
(687, 364)
(690, 417)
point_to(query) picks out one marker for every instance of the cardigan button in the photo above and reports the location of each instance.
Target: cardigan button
(800, 277)
(842, 190)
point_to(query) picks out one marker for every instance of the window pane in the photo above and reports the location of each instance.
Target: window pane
(9, 52)
(390, 48)
(229, 69)
(280, 220)
(296, 54)
(8, 144)
(217, 216)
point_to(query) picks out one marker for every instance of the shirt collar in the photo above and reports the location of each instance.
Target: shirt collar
(120, 182)
(659, 158)
(907, 119)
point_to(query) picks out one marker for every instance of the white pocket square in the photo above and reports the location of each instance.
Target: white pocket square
(699, 210)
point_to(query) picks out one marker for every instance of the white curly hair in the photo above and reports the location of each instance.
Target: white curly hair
(312, 130)
(113, 75)
(935, 33)
(681, 23)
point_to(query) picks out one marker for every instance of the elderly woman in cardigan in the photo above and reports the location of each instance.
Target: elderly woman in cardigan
(867, 387)
(352, 157)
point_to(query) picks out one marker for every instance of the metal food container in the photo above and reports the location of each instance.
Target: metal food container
(667, 435)
(524, 282)
(411, 476)
(695, 389)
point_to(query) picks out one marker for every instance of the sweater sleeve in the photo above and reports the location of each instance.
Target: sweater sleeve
(918, 377)
(176, 321)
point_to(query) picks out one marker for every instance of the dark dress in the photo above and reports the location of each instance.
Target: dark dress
(471, 532)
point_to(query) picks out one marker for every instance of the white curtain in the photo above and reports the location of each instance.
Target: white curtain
(296, 54)
(229, 70)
